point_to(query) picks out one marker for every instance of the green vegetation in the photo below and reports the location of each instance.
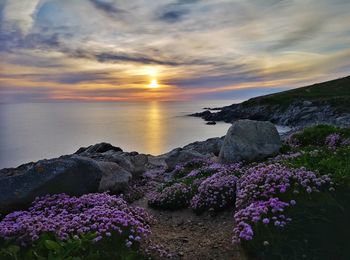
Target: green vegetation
(48, 247)
(334, 92)
(316, 135)
(323, 228)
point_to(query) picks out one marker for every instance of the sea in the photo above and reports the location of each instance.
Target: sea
(34, 131)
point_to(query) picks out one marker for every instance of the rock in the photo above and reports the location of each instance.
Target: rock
(299, 113)
(249, 140)
(114, 178)
(343, 121)
(211, 123)
(139, 162)
(211, 146)
(307, 103)
(98, 148)
(121, 160)
(180, 155)
(73, 175)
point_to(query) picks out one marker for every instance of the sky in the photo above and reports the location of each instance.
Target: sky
(130, 50)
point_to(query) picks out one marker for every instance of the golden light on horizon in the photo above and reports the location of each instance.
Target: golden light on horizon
(153, 84)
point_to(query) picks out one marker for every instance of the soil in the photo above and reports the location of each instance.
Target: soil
(186, 235)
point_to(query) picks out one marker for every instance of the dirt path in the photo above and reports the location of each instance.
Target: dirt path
(188, 236)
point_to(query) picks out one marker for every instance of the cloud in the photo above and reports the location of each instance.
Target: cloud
(113, 57)
(191, 46)
(172, 14)
(19, 14)
(107, 7)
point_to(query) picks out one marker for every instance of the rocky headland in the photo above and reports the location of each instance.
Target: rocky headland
(322, 103)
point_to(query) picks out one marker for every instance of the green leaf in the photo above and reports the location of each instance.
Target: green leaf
(13, 249)
(52, 245)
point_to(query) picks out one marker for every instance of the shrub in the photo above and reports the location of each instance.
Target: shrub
(317, 135)
(191, 186)
(216, 193)
(59, 226)
(279, 208)
(173, 197)
(183, 169)
(325, 161)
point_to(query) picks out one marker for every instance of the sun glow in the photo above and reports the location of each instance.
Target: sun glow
(153, 84)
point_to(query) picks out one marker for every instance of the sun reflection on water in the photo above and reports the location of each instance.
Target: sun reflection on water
(155, 128)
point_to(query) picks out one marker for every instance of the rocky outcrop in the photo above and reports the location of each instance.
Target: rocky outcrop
(73, 175)
(114, 178)
(297, 114)
(320, 103)
(210, 147)
(180, 155)
(249, 140)
(70, 174)
(97, 168)
(97, 148)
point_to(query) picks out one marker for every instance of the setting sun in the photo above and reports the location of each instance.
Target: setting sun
(153, 84)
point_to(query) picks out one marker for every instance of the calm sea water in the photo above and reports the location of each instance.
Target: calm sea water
(33, 131)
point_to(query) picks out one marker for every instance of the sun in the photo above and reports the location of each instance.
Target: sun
(153, 84)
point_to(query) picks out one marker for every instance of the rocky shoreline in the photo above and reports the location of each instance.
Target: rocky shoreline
(103, 167)
(97, 168)
(191, 194)
(298, 114)
(321, 103)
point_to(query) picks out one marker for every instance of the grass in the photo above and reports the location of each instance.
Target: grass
(316, 135)
(324, 220)
(334, 92)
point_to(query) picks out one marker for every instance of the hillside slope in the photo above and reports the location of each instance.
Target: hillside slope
(327, 102)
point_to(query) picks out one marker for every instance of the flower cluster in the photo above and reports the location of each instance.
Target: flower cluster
(287, 156)
(258, 211)
(172, 197)
(335, 140)
(70, 217)
(201, 184)
(153, 174)
(259, 190)
(216, 192)
(182, 169)
(292, 141)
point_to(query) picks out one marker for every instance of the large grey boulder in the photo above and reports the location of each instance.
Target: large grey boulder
(114, 178)
(249, 140)
(73, 175)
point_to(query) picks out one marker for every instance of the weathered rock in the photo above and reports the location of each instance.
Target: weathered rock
(98, 148)
(114, 178)
(248, 140)
(181, 155)
(73, 175)
(211, 146)
(139, 162)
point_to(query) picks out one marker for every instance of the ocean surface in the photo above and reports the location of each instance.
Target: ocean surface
(34, 131)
